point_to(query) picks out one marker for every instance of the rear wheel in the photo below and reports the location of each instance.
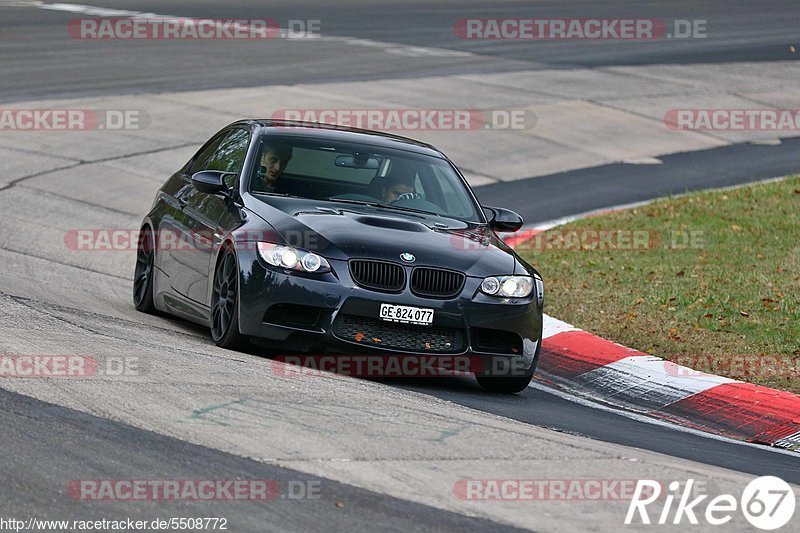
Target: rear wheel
(225, 303)
(143, 274)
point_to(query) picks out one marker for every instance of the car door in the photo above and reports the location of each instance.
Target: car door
(201, 215)
(174, 223)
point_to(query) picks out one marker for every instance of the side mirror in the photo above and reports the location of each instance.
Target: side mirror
(504, 220)
(211, 181)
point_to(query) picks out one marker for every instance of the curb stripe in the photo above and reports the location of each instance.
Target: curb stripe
(516, 239)
(593, 367)
(743, 410)
(574, 353)
(553, 326)
(792, 442)
(647, 383)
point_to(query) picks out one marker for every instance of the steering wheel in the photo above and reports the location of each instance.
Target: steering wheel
(408, 196)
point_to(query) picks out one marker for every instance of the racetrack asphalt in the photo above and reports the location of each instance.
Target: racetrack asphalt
(745, 31)
(129, 429)
(618, 184)
(101, 446)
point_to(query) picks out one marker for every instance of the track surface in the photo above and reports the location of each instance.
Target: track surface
(745, 31)
(619, 184)
(102, 446)
(45, 302)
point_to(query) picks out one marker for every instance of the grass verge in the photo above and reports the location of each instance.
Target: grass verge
(708, 280)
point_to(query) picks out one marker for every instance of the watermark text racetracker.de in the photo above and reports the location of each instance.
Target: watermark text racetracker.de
(487, 490)
(733, 119)
(181, 28)
(401, 365)
(535, 29)
(592, 239)
(54, 366)
(595, 239)
(742, 366)
(73, 119)
(198, 490)
(122, 240)
(412, 118)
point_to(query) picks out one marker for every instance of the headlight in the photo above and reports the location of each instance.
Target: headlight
(508, 286)
(294, 258)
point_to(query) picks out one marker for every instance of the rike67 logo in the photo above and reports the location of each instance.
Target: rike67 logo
(767, 503)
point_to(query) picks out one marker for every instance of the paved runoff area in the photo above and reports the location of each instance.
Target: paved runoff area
(496, 127)
(162, 384)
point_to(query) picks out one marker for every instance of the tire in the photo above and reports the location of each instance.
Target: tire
(144, 272)
(510, 384)
(504, 385)
(224, 318)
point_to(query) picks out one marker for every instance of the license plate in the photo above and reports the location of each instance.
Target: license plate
(406, 314)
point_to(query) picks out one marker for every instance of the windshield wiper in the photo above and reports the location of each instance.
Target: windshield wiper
(380, 205)
(281, 194)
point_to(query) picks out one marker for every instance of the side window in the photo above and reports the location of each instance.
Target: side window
(229, 155)
(454, 202)
(201, 159)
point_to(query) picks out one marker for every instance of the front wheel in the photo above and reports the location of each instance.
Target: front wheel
(225, 304)
(511, 384)
(505, 385)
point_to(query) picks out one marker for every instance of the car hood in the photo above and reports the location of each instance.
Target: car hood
(343, 231)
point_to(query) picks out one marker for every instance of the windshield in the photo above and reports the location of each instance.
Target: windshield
(322, 169)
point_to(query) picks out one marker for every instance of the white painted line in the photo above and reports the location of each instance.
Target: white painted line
(19, 3)
(643, 161)
(650, 420)
(792, 441)
(91, 10)
(387, 47)
(550, 224)
(553, 326)
(396, 48)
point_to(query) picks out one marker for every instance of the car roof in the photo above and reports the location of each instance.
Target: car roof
(341, 133)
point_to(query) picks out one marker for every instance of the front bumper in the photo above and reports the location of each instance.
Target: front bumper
(329, 313)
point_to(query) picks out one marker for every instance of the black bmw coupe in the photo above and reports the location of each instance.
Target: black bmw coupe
(323, 239)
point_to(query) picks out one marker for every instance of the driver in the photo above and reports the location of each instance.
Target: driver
(274, 159)
(399, 181)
